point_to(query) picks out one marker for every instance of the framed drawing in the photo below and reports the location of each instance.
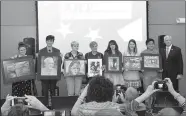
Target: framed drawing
(18, 69)
(151, 61)
(49, 66)
(94, 67)
(132, 62)
(113, 64)
(74, 67)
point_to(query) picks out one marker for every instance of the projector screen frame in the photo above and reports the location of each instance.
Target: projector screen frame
(37, 22)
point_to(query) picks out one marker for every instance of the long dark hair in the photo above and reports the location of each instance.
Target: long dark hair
(100, 90)
(113, 42)
(135, 49)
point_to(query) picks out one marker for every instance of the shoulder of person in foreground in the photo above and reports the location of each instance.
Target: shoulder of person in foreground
(91, 108)
(108, 112)
(99, 106)
(168, 112)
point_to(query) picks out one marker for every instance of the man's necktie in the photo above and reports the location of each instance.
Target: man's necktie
(167, 52)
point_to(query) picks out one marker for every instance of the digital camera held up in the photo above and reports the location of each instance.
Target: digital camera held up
(19, 100)
(119, 89)
(161, 85)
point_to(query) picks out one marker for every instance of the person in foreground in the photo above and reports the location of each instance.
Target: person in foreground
(171, 111)
(20, 109)
(177, 96)
(99, 94)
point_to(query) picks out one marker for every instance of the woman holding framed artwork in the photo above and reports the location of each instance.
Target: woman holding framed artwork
(22, 87)
(94, 54)
(74, 82)
(113, 58)
(132, 77)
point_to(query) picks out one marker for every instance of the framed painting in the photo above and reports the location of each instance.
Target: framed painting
(18, 69)
(114, 64)
(74, 67)
(132, 62)
(49, 66)
(94, 67)
(151, 61)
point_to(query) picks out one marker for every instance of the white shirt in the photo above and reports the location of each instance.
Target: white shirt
(169, 48)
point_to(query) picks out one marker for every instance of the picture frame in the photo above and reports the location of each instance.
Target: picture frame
(18, 69)
(94, 67)
(132, 63)
(49, 66)
(114, 64)
(71, 64)
(151, 61)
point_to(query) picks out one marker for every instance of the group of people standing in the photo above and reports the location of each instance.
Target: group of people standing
(172, 66)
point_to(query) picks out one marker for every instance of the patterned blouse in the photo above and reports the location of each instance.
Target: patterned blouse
(22, 87)
(69, 55)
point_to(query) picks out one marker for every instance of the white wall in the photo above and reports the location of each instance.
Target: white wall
(18, 20)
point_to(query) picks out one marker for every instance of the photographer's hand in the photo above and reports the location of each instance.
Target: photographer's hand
(9, 98)
(115, 97)
(6, 106)
(176, 95)
(122, 97)
(149, 91)
(169, 85)
(35, 103)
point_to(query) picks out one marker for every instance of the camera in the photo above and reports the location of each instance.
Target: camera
(19, 100)
(120, 89)
(161, 85)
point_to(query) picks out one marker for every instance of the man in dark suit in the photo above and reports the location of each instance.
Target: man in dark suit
(49, 84)
(172, 62)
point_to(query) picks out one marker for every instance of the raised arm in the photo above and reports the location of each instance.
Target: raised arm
(176, 95)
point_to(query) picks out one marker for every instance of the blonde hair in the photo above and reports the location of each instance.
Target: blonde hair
(131, 94)
(168, 112)
(74, 43)
(108, 112)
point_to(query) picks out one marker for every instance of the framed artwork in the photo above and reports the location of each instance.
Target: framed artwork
(74, 67)
(49, 66)
(151, 61)
(94, 67)
(113, 64)
(18, 69)
(132, 62)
